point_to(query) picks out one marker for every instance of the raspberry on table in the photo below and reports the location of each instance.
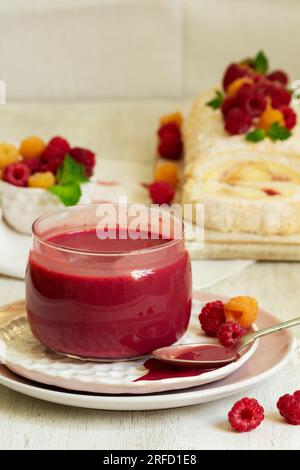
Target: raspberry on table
(169, 127)
(8, 154)
(246, 415)
(161, 192)
(41, 180)
(212, 317)
(173, 117)
(85, 157)
(56, 149)
(167, 172)
(237, 121)
(33, 164)
(16, 174)
(230, 333)
(32, 147)
(279, 76)
(242, 310)
(289, 116)
(170, 146)
(289, 407)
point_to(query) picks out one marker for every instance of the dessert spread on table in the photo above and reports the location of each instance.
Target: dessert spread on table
(242, 152)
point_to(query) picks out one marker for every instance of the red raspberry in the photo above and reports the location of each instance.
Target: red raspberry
(56, 149)
(84, 156)
(246, 414)
(49, 164)
(279, 96)
(290, 117)
(237, 121)
(251, 101)
(169, 127)
(289, 407)
(170, 146)
(230, 333)
(161, 192)
(212, 317)
(279, 76)
(271, 192)
(16, 174)
(233, 72)
(34, 164)
(229, 103)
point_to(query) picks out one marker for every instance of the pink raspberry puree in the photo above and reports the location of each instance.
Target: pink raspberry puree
(108, 302)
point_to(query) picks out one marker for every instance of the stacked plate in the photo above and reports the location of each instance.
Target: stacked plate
(144, 384)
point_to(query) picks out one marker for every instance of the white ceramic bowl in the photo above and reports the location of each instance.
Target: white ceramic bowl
(21, 206)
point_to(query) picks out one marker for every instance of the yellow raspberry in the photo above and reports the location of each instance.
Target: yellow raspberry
(8, 154)
(242, 310)
(32, 147)
(269, 117)
(233, 88)
(167, 172)
(174, 117)
(41, 180)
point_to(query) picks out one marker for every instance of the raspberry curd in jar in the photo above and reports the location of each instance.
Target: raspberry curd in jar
(105, 298)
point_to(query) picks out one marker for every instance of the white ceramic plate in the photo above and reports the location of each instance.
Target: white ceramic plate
(26, 356)
(272, 354)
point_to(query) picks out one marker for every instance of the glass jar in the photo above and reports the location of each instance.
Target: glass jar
(93, 293)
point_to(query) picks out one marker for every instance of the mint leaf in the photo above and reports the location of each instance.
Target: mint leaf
(260, 63)
(70, 172)
(256, 136)
(216, 102)
(69, 194)
(278, 132)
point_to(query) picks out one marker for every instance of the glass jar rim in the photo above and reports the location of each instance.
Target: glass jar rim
(168, 242)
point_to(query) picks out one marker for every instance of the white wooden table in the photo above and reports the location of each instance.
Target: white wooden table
(125, 130)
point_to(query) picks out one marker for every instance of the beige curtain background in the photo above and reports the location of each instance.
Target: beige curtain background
(51, 49)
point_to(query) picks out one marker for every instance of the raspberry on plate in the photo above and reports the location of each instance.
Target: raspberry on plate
(233, 72)
(242, 310)
(84, 156)
(16, 174)
(279, 76)
(32, 147)
(170, 146)
(212, 317)
(289, 116)
(230, 333)
(237, 121)
(161, 192)
(56, 149)
(289, 407)
(246, 414)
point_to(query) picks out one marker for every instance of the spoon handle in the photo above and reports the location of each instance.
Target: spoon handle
(245, 340)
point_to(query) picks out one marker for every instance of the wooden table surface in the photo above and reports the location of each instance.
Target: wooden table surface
(28, 423)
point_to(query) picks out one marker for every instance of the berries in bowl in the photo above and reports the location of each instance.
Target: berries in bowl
(38, 177)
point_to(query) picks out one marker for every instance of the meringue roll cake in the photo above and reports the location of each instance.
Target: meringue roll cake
(242, 152)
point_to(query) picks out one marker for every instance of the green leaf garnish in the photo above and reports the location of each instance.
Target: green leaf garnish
(216, 102)
(69, 176)
(256, 136)
(69, 194)
(260, 63)
(70, 171)
(278, 132)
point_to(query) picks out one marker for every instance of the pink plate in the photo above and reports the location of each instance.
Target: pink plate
(272, 354)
